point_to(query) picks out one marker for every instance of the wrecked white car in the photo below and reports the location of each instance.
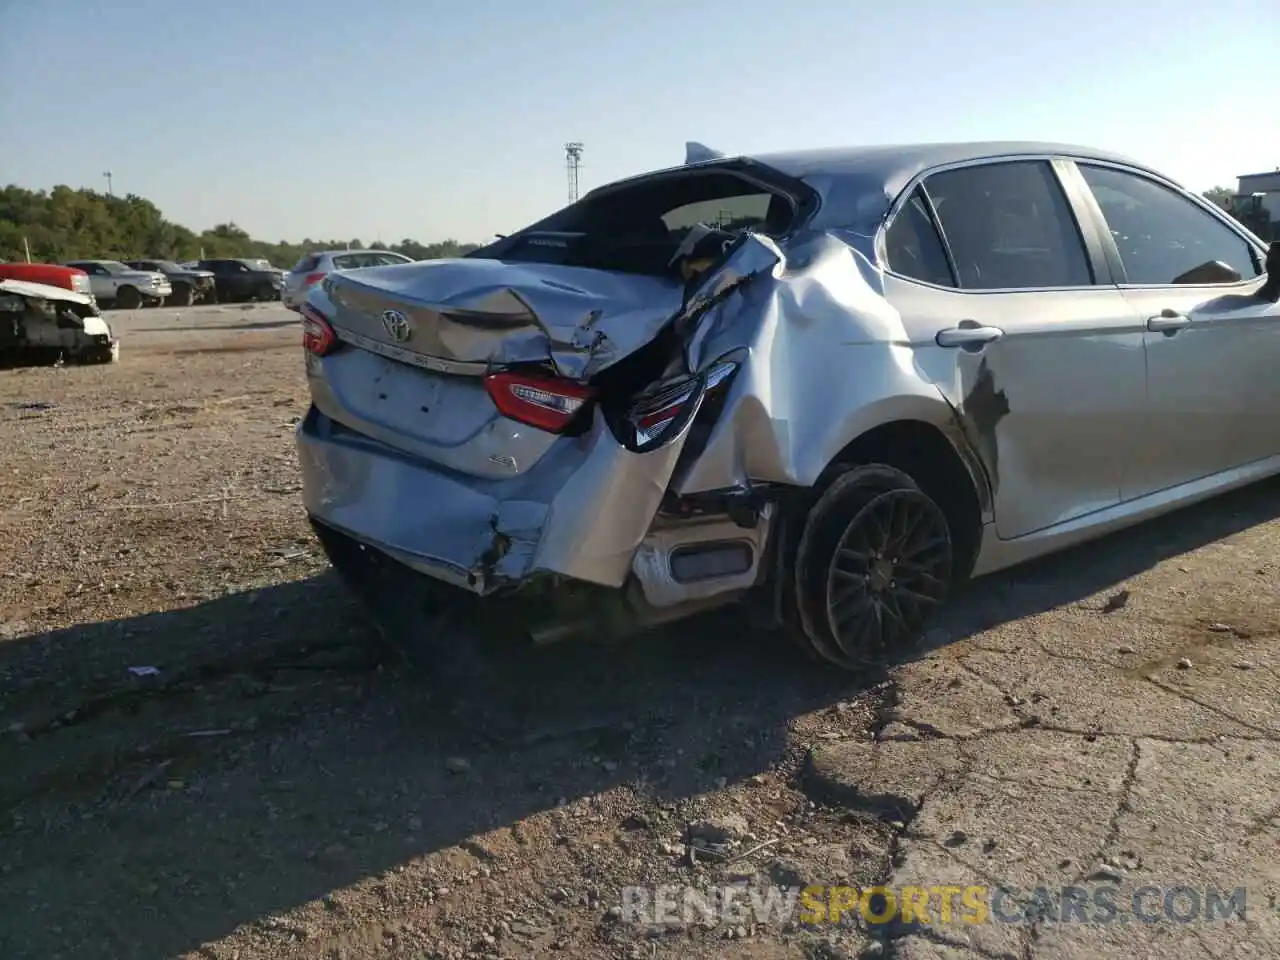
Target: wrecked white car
(841, 381)
(44, 324)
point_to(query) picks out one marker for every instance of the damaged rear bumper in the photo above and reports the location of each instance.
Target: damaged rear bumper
(585, 512)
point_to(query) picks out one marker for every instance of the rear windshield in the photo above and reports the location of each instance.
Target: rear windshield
(305, 264)
(354, 261)
(638, 228)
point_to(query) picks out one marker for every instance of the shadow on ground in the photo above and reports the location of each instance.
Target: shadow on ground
(278, 756)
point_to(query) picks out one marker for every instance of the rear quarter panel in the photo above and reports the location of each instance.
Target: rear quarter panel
(826, 358)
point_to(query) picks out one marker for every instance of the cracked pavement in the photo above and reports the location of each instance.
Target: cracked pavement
(1128, 738)
(280, 788)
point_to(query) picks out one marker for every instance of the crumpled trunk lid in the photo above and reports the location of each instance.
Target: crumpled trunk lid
(426, 333)
(469, 315)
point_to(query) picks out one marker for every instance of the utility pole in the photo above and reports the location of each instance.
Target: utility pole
(26, 248)
(573, 164)
(107, 174)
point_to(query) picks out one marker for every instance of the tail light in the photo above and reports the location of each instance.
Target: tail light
(548, 403)
(318, 336)
(652, 415)
(311, 279)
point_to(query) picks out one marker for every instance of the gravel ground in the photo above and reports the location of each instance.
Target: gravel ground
(273, 784)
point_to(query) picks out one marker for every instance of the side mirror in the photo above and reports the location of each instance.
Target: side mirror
(1270, 291)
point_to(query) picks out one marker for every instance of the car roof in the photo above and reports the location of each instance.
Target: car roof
(894, 165)
(861, 182)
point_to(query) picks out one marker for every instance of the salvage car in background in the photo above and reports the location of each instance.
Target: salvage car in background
(239, 279)
(43, 324)
(115, 285)
(312, 268)
(189, 286)
(891, 369)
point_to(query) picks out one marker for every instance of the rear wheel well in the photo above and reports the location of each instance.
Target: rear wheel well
(923, 452)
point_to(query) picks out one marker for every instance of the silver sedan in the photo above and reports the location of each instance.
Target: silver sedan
(312, 268)
(838, 381)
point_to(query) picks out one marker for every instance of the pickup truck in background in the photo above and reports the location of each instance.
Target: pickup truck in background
(116, 285)
(244, 279)
(190, 285)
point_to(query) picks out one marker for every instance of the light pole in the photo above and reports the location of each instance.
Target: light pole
(107, 174)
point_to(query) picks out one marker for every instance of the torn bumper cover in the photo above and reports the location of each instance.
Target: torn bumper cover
(582, 512)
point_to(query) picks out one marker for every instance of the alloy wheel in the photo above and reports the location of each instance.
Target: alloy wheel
(888, 572)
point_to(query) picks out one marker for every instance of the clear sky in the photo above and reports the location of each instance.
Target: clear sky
(430, 119)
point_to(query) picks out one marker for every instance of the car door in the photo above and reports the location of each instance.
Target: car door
(1001, 282)
(1212, 345)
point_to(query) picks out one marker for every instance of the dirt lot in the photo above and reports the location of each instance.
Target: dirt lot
(273, 785)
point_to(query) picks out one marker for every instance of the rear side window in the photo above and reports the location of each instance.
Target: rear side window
(306, 264)
(1009, 227)
(912, 245)
(349, 261)
(1164, 238)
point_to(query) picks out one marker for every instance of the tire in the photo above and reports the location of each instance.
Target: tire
(266, 292)
(182, 296)
(872, 565)
(128, 298)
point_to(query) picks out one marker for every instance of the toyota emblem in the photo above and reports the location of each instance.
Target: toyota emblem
(397, 325)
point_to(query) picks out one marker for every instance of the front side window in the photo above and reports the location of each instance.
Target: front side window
(1164, 238)
(912, 245)
(1009, 226)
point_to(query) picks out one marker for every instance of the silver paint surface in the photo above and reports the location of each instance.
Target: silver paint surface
(1078, 420)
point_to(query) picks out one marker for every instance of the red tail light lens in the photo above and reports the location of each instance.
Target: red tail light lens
(318, 336)
(653, 413)
(547, 403)
(311, 279)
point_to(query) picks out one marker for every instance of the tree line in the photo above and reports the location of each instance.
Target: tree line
(65, 224)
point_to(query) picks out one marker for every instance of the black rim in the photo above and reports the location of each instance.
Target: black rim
(888, 573)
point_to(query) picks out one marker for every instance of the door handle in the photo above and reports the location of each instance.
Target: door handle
(971, 338)
(1169, 321)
